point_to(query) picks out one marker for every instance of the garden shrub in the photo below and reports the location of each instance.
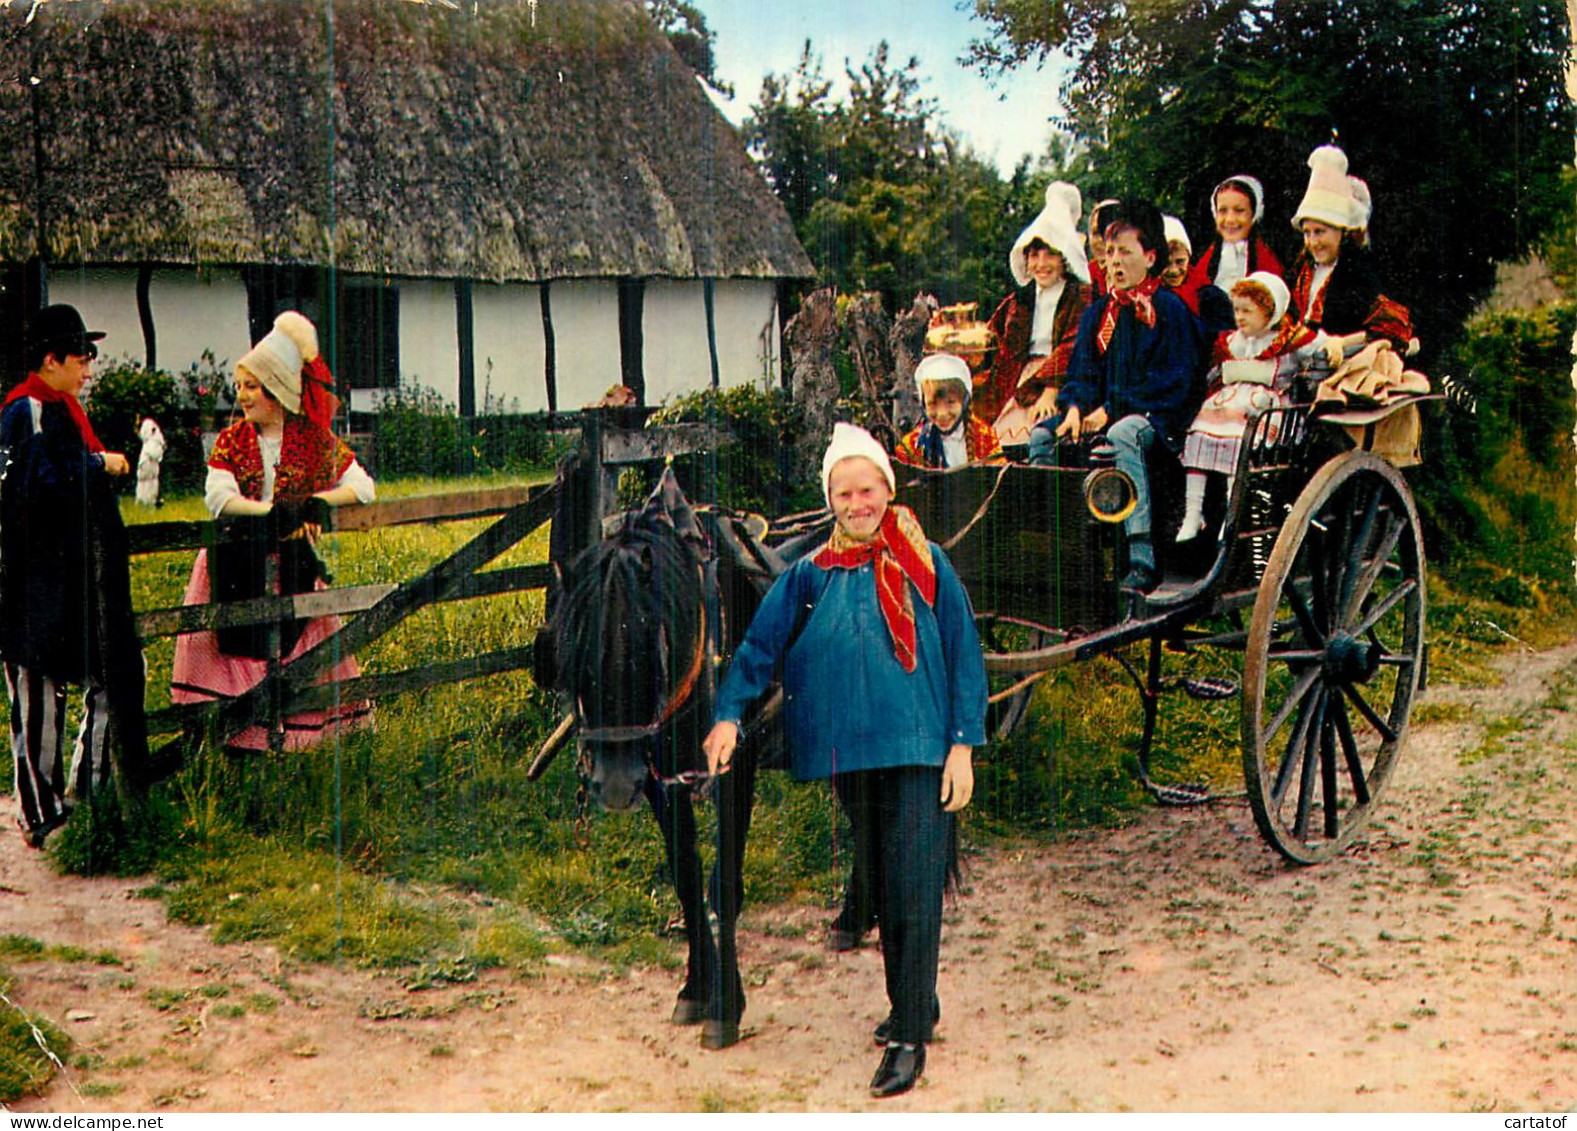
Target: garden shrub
(750, 472)
(1498, 499)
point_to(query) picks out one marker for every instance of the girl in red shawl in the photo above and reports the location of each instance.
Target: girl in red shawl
(280, 460)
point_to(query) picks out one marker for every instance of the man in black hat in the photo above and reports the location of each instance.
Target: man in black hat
(65, 584)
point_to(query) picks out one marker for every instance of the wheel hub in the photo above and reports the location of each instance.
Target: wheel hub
(1349, 659)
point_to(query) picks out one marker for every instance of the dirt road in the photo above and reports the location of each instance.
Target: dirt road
(1176, 965)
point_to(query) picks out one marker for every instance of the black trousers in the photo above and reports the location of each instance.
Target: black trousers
(899, 824)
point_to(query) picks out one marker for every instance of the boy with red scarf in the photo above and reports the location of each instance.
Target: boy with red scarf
(885, 694)
(1134, 371)
(65, 581)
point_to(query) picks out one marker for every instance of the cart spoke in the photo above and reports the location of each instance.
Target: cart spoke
(1294, 697)
(1355, 770)
(1395, 528)
(1368, 713)
(1300, 609)
(1355, 552)
(1300, 824)
(1384, 605)
(1328, 766)
(1296, 752)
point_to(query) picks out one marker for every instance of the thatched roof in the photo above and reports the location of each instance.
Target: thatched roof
(500, 141)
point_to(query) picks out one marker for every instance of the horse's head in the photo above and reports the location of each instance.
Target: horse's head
(630, 643)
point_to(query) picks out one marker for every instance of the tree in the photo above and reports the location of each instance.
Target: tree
(1452, 110)
(883, 198)
(685, 26)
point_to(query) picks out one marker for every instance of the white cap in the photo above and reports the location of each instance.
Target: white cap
(943, 367)
(1176, 233)
(848, 441)
(1256, 193)
(1057, 227)
(1279, 295)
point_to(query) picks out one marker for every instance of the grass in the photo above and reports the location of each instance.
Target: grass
(421, 847)
(25, 1067)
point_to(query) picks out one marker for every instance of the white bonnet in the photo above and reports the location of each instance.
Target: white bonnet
(1057, 227)
(1279, 294)
(943, 367)
(848, 441)
(1256, 193)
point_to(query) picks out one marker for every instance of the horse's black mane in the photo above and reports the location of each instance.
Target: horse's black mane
(629, 600)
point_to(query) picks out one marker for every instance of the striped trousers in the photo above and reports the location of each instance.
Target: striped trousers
(45, 789)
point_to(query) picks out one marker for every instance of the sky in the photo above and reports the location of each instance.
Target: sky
(758, 36)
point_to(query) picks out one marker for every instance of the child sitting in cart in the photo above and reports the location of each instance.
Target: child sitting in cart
(1252, 370)
(1133, 372)
(950, 436)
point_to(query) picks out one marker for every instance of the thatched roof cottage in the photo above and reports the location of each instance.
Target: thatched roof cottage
(522, 200)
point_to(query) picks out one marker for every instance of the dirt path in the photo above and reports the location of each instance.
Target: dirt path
(1175, 965)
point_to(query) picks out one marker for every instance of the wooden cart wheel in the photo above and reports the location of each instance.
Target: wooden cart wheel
(1334, 655)
(1009, 694)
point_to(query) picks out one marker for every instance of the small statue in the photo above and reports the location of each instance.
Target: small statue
(148, 462)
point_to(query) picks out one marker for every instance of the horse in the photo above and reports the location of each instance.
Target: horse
(639, 624)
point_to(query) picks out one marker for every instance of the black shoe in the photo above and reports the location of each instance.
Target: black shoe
(1139, 579)
(883, 1032)
(901, 1066)
(842, 939)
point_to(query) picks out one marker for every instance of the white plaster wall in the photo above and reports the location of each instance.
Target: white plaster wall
(429, 350)
(107, 300)
(586, 340)
(193, 313)
(674, 331)
(506, 328)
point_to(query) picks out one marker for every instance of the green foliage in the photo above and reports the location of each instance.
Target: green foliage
(685, 26)
(1500, 502)
(748, 473)
(122, 393)
(882, 197)
(1454, 112)
(104, 838)
(419, 433)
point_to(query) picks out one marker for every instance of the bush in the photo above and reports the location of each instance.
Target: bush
(1498, 503)
(750, 472)
(419, 433)
(122, 393)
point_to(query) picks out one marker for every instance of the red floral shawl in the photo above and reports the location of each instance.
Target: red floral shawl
(311, 459)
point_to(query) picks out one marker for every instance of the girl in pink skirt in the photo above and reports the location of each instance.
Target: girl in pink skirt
(280, 460)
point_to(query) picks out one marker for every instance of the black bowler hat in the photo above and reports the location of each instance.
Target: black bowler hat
(59, 329)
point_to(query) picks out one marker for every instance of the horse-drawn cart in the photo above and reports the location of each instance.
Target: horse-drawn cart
(1317, 577)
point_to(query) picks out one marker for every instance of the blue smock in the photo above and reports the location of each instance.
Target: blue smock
(849, 703)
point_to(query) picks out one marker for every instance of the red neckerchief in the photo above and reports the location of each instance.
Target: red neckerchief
(35, 386)
(311, 459)
(1291, 335)
(900, 551)
(1141, 298)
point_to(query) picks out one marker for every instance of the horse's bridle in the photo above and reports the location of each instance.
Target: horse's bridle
(701, 664)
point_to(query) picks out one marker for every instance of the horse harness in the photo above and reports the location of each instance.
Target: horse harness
(702, 666)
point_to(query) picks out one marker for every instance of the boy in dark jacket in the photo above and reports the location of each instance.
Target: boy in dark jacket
(65, 585)
(1134, 371)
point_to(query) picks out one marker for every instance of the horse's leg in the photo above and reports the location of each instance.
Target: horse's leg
(676, 817)
(736, 793)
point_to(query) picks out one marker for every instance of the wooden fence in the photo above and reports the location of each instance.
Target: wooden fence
(371, 611)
